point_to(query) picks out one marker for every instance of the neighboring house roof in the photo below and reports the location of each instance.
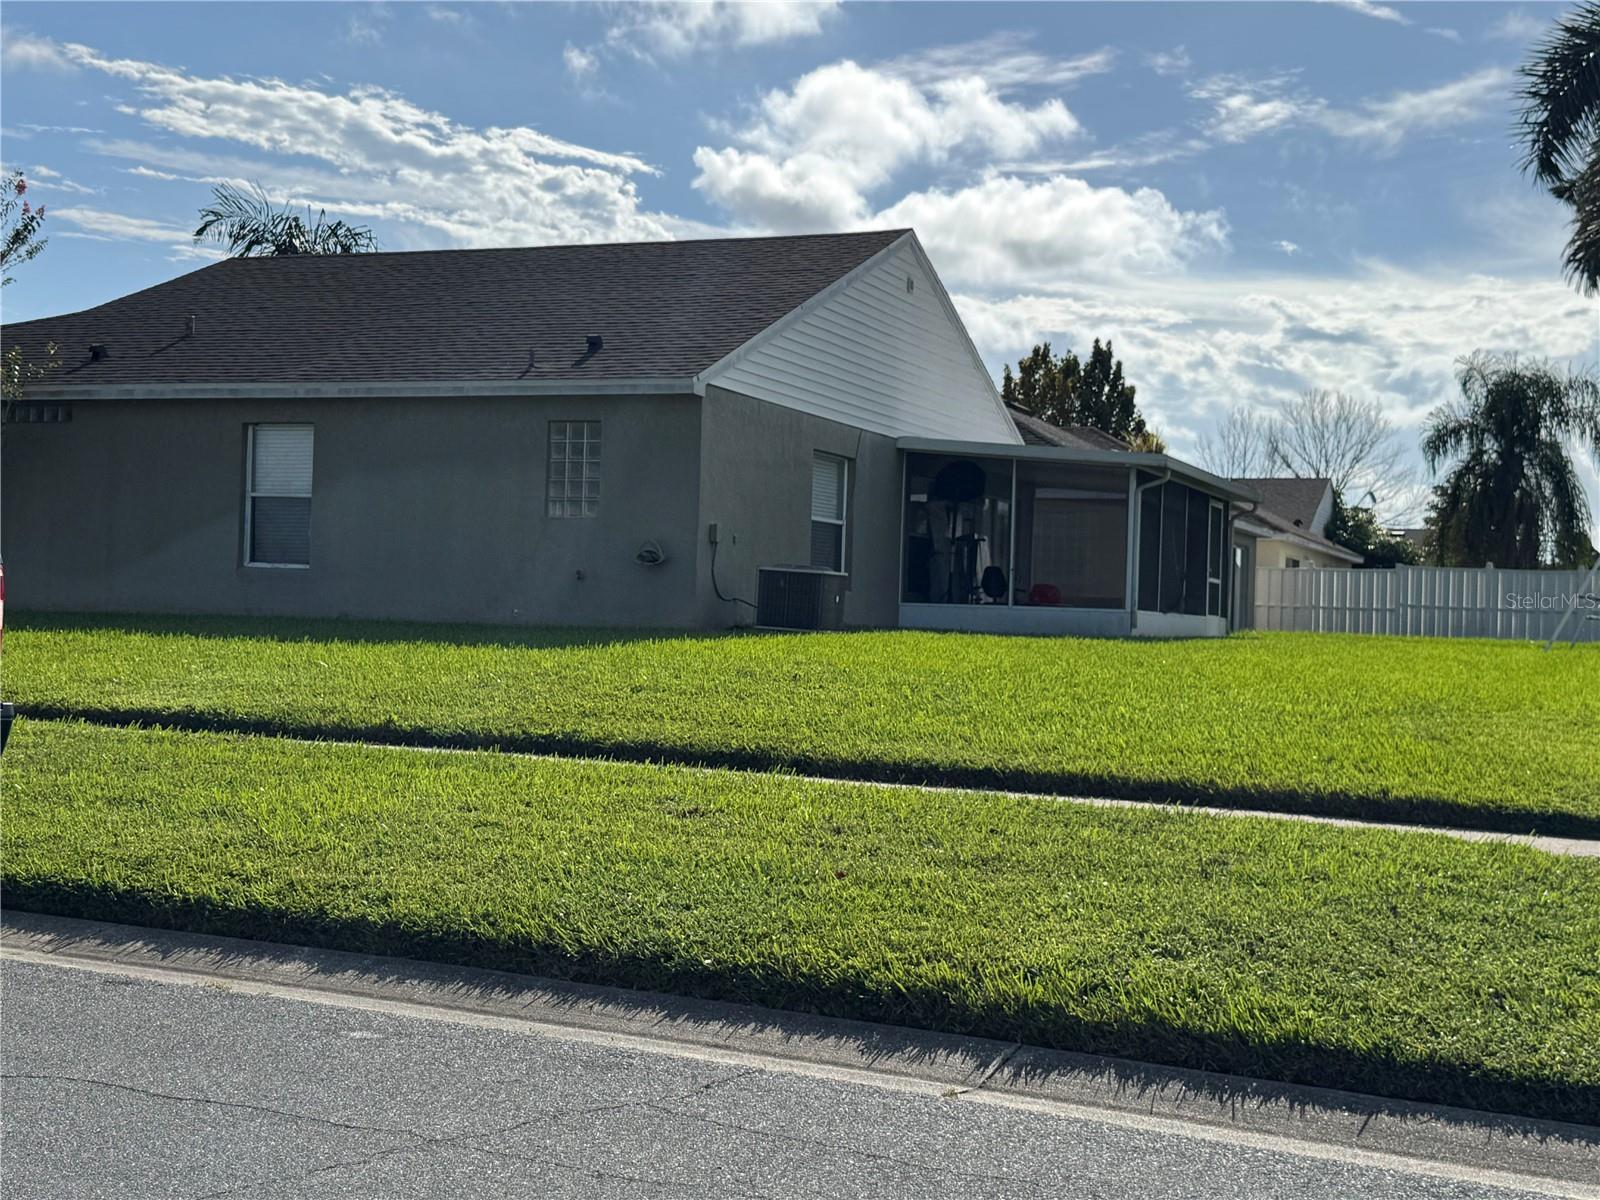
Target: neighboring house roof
(663, 310)
(1305, 503)
(1265, 523)
(1038, 432)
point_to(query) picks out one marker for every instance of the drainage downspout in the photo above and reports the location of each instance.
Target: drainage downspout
(1136, 492)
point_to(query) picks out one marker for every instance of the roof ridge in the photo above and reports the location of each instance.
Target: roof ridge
(749, 237)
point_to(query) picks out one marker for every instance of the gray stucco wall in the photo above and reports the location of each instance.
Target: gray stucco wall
(429, 509)
(755, 483)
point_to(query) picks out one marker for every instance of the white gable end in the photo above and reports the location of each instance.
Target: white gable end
(870, 353)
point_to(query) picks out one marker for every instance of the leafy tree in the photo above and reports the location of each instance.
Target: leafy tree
(1512, 495)
(19, 226)
(1067, 391)
(1148, 441)
(1105, 399)
(1044, 385)
(19, 243)
(249, 224)
(16, 372)
(1357, 528)
(1561, 131)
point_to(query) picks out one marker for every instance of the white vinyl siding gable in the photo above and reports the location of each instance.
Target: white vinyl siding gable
(874, 356)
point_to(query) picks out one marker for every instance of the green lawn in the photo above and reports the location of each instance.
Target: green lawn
(1484, 734)
(1406, 964)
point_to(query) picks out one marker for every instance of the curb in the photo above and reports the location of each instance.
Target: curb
(978, 1067)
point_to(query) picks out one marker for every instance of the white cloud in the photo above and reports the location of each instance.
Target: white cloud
(823, 153)
(1388, 122)
(447, 16)
(1243, 108)
(59, 129)
(1005, 61)
(1449, 35)
(55, 181)
(1368, 8)
(1195, 346)
(1169, 62)
(97, 225)
(1287, 247)
(1518, 25)
(22, 50)
(381, 157)
(366, 23)
(811, 155)
(1147, 150)
(580, 63)
(673, 30)
(1006, 232)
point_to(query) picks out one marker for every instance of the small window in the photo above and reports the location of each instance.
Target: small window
(1291, 562)
(277, 499)
(829, 478)
(574, 486)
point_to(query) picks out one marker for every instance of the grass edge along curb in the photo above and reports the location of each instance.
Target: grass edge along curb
(1392, 963)
(1489, 736)
(1422, 812)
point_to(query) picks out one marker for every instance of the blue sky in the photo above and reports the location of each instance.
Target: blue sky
(1250, 199)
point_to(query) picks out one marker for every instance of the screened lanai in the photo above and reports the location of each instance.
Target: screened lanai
(1038, 539)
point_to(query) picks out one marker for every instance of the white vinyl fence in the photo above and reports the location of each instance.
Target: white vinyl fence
(1426, 601)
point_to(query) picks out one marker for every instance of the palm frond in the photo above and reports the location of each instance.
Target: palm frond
(1561, 94)
(248, 223)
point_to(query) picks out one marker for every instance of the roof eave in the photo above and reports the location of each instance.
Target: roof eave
(1269, 534)
(1068, 454)
(356, 389)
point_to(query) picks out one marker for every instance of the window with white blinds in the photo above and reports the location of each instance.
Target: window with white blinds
(829, 479)
(278, 496)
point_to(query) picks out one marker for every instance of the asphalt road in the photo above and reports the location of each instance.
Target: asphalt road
(117, 1086)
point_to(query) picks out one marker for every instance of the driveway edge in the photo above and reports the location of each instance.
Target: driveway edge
(975, 1067)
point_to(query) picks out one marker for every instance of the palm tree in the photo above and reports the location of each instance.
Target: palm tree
(249, 224)
(1561, 129)
(1512, 496)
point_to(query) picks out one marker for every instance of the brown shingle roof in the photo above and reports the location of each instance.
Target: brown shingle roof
(1038, 432)
(664, 309)
(1297, 500)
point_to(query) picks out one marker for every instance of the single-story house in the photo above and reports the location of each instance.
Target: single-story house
(791, 431)
(1286, 529)
(1290, 524)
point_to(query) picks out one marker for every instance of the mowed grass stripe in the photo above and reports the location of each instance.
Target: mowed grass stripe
(1405, 964)
(1477, 734)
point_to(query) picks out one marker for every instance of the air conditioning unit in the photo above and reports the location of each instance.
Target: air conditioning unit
(799, 598)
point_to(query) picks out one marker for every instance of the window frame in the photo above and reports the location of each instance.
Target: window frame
(1216, 551)
(843, 520)
(566, 499)
(251, 494)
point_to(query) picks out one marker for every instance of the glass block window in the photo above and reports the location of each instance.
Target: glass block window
(277, 496)
(574, 486)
